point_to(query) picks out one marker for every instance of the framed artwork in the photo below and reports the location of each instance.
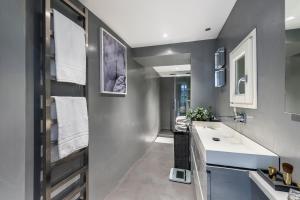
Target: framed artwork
(113, 64)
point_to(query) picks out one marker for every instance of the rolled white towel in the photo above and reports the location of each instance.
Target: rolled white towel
(182, 120)
(180, 128)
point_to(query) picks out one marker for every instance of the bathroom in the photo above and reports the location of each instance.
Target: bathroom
(121, 159)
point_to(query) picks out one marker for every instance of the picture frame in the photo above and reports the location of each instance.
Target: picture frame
(113, 64)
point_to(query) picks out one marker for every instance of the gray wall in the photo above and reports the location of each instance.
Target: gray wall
(202, 59)
(16, 108)
(166, 102)
(121, 128)
(269, 125)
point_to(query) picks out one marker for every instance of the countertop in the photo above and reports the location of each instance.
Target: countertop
(233, 149)
(266, 188)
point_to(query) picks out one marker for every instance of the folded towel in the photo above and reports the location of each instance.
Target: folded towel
(70, 52)
(182, 120)
(181, 128)
(181, 123)
(72, 120)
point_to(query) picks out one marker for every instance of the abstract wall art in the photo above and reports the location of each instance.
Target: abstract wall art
(113, 64)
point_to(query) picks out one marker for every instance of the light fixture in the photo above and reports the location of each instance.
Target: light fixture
(165, 35)
(289, 18)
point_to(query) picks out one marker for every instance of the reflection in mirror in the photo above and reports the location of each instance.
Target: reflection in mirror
(292, 72)
(240, 79)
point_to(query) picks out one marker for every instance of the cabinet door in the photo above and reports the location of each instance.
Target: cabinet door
(257, 194)
(228, 184)
(199, 171)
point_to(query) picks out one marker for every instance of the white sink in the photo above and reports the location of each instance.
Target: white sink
(233, 149)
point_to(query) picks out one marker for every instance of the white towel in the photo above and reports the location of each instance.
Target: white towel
(70, 52)
(181, 128)
(72, 120)
(182, 120)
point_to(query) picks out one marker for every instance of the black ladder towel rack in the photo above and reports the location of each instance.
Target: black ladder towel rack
(66, 178)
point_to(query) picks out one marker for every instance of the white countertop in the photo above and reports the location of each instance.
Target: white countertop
(266, 188)
(233, 149)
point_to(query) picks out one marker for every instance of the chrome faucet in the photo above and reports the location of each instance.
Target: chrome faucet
(240, 117)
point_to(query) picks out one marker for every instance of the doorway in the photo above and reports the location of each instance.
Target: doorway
(175, 93)
(174, 70)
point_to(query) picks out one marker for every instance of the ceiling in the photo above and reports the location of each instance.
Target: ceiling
(155, 22)
(164, 60)
(292, 14)
(173, 70)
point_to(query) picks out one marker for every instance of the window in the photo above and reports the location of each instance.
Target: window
(243, 73)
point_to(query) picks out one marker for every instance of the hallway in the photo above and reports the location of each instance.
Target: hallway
(148, 178)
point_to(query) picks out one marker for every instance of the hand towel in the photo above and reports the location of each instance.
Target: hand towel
(182, 120)
(72, 121)
(70, 52)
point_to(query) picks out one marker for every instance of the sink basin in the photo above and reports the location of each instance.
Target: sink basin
(233, 149)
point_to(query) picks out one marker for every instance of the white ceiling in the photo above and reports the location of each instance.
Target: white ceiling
(292, 14)
(173, 70)
(144, 22)
(164, 60)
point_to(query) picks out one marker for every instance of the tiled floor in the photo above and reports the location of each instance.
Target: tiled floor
(166, 133)
(148, 178)
(165, 140)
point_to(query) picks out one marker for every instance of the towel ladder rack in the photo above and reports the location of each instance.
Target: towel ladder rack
(58, 179)
(73, 7)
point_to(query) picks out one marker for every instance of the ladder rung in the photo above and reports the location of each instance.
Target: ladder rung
(67, 179)
(73, 193)
(69, 157)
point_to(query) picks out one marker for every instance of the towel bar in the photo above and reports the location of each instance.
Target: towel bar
(72, 6)
(54, 142)
(78, 189)
(50, 170)
(70, 157)
(69, 178)
(54, 122)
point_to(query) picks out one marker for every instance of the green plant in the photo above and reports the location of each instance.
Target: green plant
(200, 114)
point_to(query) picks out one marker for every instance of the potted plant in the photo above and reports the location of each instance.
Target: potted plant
(200, 114)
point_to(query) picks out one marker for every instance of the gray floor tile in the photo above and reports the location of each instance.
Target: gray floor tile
(148, 178)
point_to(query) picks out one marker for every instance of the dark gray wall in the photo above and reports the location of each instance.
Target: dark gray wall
(16, 130)
(120, 127)
(166, 102)
(269, 125)
(202, 64)
(32, 53)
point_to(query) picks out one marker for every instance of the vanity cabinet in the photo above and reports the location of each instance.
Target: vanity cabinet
(215, 182)
(198, 168)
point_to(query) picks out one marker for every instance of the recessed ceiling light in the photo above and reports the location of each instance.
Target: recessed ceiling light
(290, 18)
(208, 29)
(165, 35)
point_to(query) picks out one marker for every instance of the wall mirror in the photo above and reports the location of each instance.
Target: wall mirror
(292, 67)
(243, 73)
